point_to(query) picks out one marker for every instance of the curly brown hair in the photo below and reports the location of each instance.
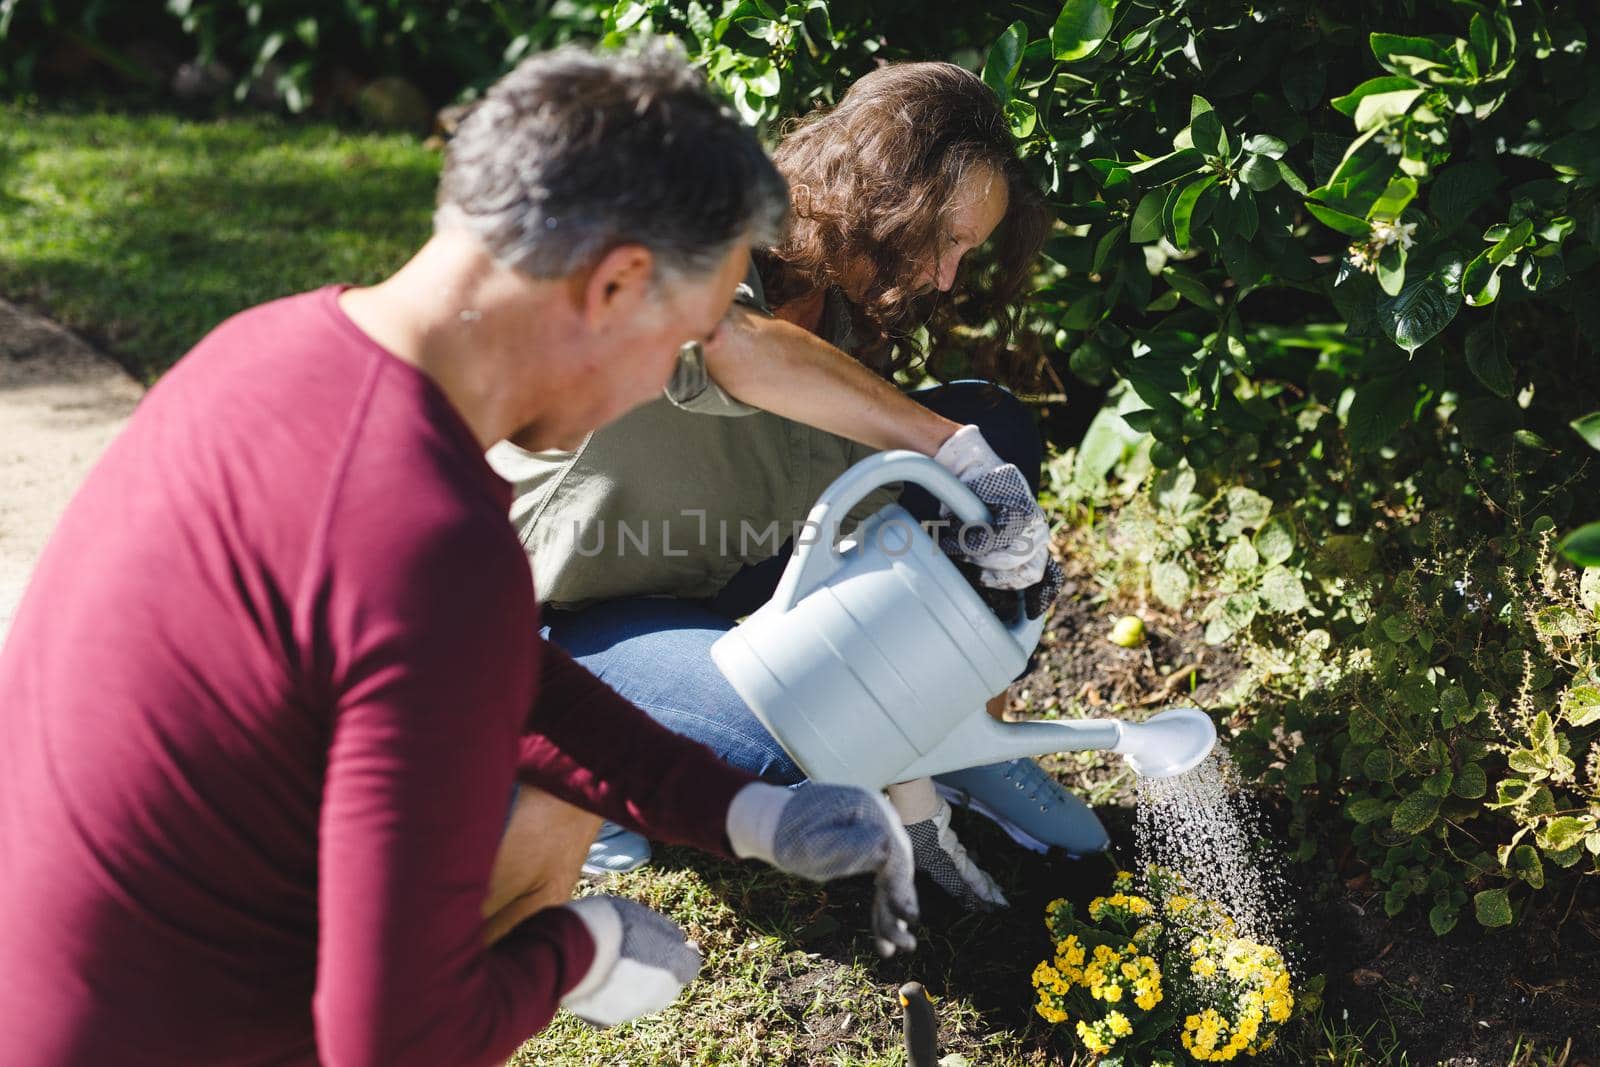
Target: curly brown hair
(872, 181)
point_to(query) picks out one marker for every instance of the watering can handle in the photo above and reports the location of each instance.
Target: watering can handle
(816, 554)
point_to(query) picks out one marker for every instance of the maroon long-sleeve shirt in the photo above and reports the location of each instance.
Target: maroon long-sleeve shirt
(260, 715)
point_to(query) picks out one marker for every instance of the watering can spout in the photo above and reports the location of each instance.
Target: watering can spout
(1167, 744)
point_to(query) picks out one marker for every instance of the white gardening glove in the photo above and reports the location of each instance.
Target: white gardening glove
(822, 832)
(939, 855)
(641, 962)
(1013, 549)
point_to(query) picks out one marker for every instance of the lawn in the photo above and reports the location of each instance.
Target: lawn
(143, 231)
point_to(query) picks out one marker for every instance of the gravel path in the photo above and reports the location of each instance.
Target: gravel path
(61, 403)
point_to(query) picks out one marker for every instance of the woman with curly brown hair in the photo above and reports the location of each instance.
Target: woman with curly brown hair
(651, 536)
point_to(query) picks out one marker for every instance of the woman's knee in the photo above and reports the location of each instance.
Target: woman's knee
(1006, 422)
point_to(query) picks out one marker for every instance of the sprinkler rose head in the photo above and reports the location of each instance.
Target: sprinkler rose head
(1169, 743)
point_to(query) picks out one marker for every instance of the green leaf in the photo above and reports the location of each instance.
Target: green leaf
(1349, 225)
(1146, 225)
(1379, 109)
(1302, 769)
(1275, 540)
(1409, 55)
(1401, 192)
(1480, 282)
(1581, 704)
(1022, 117)
(1493, 907)
(1588, 428)
(1392, 269)
(1241, 556)
(1167, 168)
(1205, 129)
(1304, 83)
(1283, 592)
(1081, 28)
(1367, 810)
(1170, 583)
(1190, 288)
(1525, 861)
(1486, 358)
(1380, 408)
(1005, 60)
(1442, 918)
(1265, 144)
(1415, 813)
(1471, 782)
(1527, 761)
(1380, 765)
(1389, 83)
(1461, 189)
(1582, 546)
(1423, 308)
(1292, 179)
(1260, 173)
(1563, 832)
(1247, 509)
(1183, 209)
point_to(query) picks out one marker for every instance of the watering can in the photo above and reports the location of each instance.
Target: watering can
(874, 659)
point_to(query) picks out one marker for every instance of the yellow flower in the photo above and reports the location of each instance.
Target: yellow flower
(1093, 1039)
(1178, 903)
(1203, 968)
(1118, 1024)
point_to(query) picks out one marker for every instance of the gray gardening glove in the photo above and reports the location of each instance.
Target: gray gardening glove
(1013, 548)
(938, 853)
(641, 962)
(822, 832)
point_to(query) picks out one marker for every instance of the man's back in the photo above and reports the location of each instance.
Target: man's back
(220, 590)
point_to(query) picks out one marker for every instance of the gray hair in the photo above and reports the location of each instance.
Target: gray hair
(572, 154)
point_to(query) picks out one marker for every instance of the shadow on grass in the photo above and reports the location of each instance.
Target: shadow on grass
(983, 960)
(143, 233)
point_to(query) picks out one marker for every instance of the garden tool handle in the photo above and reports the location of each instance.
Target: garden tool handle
(817, 556)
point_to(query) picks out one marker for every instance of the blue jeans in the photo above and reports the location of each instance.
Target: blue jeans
(656, 651)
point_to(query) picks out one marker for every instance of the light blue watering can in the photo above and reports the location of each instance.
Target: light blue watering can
(873, 660)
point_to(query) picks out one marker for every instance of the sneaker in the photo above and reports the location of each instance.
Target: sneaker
(1034, 809)
(616, 851)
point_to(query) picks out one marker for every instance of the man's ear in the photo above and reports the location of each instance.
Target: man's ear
(616, 285)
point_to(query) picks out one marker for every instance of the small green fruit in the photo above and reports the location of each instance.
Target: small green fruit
(1128, 632)
(1165, 456)
(1165, 426)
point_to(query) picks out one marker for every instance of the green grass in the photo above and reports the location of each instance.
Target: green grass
(791, 978)
(143, 232)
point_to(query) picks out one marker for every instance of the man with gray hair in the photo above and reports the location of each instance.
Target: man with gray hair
(278, 677)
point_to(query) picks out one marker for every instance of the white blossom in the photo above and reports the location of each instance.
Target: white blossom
(1386, 232)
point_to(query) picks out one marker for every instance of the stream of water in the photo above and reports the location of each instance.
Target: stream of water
(1204, 826)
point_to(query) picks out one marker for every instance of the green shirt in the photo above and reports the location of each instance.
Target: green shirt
(674, 497)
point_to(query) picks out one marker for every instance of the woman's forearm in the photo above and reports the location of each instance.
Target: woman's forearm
(777, 366)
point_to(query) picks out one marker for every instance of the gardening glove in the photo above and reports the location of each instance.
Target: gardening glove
(939, 855)
(1013, 548)
(823, 832)
(641, 962)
